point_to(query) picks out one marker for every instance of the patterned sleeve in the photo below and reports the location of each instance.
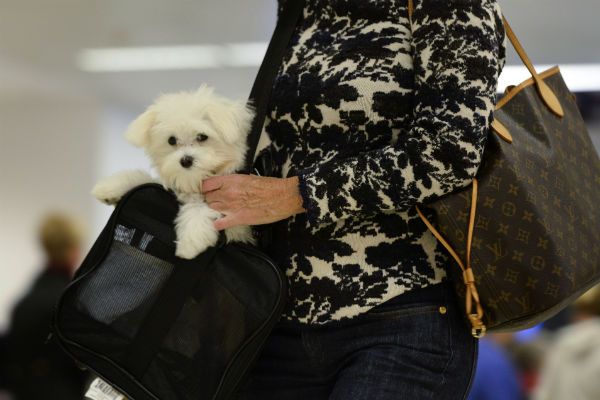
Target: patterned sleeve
(459, 52)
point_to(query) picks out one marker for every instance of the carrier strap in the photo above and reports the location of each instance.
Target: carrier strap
(263, 83)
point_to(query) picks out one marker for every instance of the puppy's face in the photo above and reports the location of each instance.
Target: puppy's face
(192, 135)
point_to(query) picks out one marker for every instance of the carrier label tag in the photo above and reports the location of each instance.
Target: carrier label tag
(100, 390)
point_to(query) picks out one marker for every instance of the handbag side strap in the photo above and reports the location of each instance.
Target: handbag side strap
(263, 83)
(472, 296)
(475, 314)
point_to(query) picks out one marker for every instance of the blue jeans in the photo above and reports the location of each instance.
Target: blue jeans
(415, 346)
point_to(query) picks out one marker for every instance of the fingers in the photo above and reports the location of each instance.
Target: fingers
(227, 188)
(210, 188)
(212, 183)
(211, 197)
(217, 205)
(222, 181)
(230, 195)
(223, 195)
(225, 222)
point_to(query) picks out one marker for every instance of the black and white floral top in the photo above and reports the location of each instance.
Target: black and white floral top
(374, 120)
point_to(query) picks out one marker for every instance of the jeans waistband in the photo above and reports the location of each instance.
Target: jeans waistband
(439, 292)
(435, 292)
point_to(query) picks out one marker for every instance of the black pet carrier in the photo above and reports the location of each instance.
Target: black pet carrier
(156, 326)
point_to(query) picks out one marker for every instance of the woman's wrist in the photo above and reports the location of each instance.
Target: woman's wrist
(291, 195)
(245, 199)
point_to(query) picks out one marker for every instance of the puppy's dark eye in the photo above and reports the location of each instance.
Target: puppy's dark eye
(201, 137)
(172, 140)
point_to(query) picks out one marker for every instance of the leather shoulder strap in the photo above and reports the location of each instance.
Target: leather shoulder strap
(263, 83)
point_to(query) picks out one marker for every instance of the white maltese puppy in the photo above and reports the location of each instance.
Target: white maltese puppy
(189, 136)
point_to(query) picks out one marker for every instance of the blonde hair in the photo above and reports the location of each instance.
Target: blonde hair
(59, 235)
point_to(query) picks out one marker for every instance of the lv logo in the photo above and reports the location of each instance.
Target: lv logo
(524, 301)
(570, 211)
(498, 249)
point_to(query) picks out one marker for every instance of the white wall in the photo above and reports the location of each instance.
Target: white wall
(113, 153)
(47, 158)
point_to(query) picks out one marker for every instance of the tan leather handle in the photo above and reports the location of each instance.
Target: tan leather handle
(545, 92)
(543, 89)
(475, 314)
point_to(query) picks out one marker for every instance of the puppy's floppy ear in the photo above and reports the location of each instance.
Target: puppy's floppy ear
(138, 132)
(232, 119)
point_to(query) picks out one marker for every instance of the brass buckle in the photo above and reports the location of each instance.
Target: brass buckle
(478, 332)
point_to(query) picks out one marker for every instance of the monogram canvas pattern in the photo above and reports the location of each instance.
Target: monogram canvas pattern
(536, 238)
(371, 133)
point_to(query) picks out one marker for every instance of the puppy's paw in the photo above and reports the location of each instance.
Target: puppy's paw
(240, 233)
(186, 251)
(189, 248)
(110, 201)
(110, 190)
(107, 192)
(194, 229)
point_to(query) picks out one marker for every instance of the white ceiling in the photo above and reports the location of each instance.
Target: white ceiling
(39, 41)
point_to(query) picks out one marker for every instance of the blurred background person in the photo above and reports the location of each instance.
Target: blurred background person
(572, 364)
(32, 368)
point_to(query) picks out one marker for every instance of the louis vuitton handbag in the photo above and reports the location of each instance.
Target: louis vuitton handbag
(526, 233)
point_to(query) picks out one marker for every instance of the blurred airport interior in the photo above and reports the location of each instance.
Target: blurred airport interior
(73, 74)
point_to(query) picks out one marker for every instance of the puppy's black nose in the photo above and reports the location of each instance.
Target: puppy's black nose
(186, 161)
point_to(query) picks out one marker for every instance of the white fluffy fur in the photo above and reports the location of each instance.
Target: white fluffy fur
(111, 189)
(185, 115)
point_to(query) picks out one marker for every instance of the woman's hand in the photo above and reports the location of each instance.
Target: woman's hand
(251, 199)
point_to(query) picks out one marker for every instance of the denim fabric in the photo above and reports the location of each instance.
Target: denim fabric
(405, 348)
